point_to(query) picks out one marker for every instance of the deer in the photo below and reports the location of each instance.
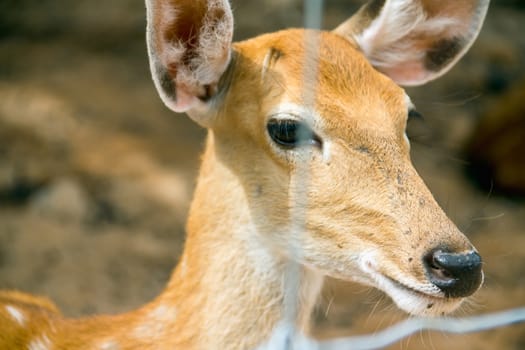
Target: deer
(367, 215)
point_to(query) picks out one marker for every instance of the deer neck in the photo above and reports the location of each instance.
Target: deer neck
(229, 284)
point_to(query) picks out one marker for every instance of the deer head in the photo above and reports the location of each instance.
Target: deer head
(368, 216)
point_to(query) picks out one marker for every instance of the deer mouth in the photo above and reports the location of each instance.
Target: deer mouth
(413, 290)
(415, 299)
(419, 301)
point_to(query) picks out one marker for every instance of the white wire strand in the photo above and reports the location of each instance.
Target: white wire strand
(410, 326)
(313, 17)
(283, 339)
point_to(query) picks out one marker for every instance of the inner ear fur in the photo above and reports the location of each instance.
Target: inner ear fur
(415, 41)
(189, 47)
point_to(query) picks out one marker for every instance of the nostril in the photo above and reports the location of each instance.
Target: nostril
(456, 274)
(437, 269)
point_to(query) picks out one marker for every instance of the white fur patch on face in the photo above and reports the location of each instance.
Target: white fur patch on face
(327, 155)
(16, 314)
(40, 343)
(293, 109)
(156, 322)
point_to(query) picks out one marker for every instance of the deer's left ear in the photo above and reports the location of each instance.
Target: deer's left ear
(189, 47)
(415, 41)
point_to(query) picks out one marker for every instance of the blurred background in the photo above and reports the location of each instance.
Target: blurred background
(96, 174)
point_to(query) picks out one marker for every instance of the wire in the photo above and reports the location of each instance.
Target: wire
(410, 326)
(284, 339)
(292, 276)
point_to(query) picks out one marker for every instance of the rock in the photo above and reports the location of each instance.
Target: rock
(63, 199)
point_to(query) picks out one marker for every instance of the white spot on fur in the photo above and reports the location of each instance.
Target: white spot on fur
(407, 140)
(183, 266)
(156, 322)
(16, 314)
(163, 312)
(40, 343)
(327, 154)
(409, 102)
(109, 345)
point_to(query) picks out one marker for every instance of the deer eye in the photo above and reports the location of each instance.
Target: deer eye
(291, 133)
(414, 115)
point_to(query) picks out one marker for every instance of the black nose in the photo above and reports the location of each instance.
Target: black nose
(456, 274)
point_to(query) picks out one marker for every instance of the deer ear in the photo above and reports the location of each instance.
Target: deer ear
(415, 41)
(189, 47)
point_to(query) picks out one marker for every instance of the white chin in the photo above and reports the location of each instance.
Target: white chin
(418, 303)
(426, 301)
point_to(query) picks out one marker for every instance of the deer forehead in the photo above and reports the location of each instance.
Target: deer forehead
(350, 95)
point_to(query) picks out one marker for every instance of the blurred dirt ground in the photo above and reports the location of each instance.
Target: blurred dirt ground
(96, 174)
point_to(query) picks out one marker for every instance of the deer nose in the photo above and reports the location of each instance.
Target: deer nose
(456, 274)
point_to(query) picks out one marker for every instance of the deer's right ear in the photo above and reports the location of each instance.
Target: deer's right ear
(189, 47)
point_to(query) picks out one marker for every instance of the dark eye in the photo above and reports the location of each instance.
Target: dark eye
(414, 115)
(290, 133)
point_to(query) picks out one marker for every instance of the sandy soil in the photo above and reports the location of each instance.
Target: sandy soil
(96, 174)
